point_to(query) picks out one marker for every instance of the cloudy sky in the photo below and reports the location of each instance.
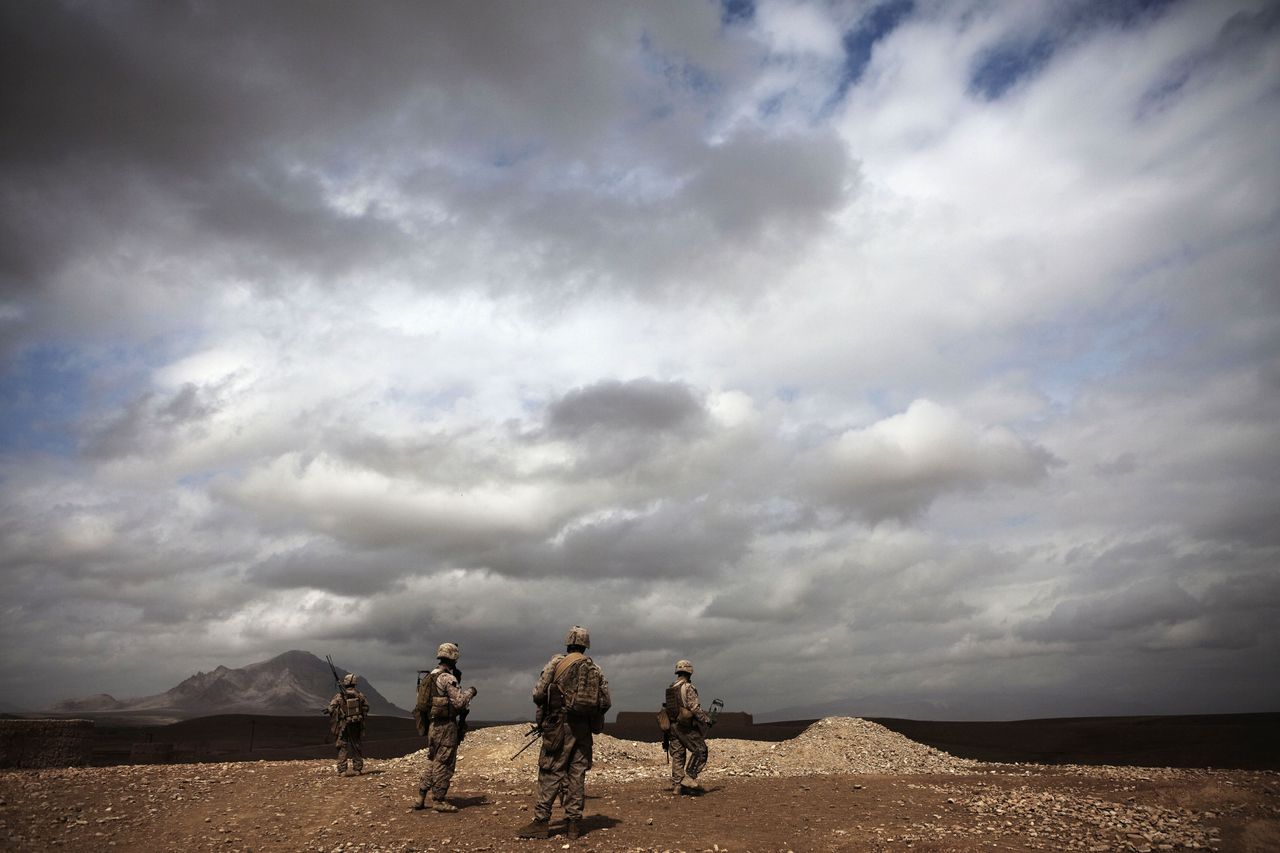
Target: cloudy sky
(893, 358)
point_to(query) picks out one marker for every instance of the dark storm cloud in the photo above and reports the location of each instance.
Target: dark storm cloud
(345, 571)
(234, 129)
(676, 539)
(754, 183)
(151, 422)
(640, 405)
(1099, 618)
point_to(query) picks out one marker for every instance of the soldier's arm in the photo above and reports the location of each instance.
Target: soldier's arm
(606, 698)
(449, 685)
(364, 705)
(694, 705)
(544, 681)
(335, 703)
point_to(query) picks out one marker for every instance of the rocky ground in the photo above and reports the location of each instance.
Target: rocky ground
(844, 784)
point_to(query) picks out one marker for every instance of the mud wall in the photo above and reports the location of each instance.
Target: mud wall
(45, 743)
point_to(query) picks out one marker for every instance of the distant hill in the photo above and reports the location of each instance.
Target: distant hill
(294, 683)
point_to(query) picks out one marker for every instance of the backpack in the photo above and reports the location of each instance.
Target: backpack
(581, 684)
(351, 705)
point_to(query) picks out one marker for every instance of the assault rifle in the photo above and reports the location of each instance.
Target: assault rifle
(465, 712)
(337, 679)
(534, 733)
(342, 704)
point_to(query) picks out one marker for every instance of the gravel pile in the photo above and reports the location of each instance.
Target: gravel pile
(831, 745)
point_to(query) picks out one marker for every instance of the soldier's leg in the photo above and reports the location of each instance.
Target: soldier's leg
(698, 759)
(683, 744)
(446, 758)
(551, 771)
(356, 748)
(427, 781)
(677, 752)
(342, 754)
(575, 793)
(446, 761)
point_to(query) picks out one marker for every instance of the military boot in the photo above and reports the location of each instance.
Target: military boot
(350, 773)
(443, 806)
(422, 801)
(691, 783)
(535, 829)
(571, 829)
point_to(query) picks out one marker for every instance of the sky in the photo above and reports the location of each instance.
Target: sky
(898, 358)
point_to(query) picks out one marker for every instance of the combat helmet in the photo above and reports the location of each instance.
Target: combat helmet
(350, 680)
(448, 651)
(578, 636)
(683, 665)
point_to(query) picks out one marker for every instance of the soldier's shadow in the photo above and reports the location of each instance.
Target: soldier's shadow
(594, 823)
(699, 792)
(469, 802)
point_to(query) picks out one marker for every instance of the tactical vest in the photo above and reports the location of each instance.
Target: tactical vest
(441, 707)
(674, 704)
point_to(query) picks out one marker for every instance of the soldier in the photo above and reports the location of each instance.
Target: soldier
(347, 711)
(440, 701)
(689, 725)
(572, 697)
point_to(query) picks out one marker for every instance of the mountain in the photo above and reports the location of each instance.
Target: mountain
(294, 683)
(98, 702)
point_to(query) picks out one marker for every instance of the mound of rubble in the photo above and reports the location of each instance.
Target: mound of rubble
(831, 745)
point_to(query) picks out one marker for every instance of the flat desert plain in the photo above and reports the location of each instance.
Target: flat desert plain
(842, 784)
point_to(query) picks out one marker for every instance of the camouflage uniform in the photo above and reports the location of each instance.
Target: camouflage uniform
(442, 734)
(348, 728)
(690, 737)
(565, 754)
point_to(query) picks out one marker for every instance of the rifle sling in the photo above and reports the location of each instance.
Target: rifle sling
(566, 662)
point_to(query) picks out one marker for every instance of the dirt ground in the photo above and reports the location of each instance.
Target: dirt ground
(759, 800)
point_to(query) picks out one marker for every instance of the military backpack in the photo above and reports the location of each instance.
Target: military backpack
(581, 686)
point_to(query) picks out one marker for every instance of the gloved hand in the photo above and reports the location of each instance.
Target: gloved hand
(474, 691)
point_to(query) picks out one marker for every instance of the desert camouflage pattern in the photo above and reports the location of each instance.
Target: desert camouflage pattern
(442, 736)
(565, 753)
(690, 738)
(689, 699)
(449, 651)
(578, 636)
(348, 730)
(544, 681)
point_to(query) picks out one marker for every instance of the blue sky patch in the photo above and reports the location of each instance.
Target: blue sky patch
(1001, 67)
(860, 41)
(43, 393)
(736, 11)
